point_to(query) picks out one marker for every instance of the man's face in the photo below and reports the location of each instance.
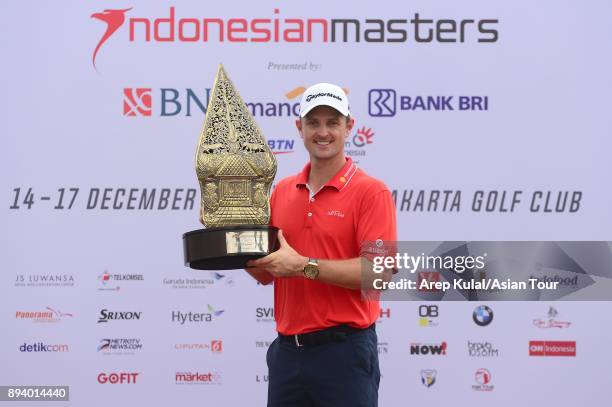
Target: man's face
(324, 131)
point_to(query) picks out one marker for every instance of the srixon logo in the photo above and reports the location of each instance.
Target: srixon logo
(428, 349)
(106, 315)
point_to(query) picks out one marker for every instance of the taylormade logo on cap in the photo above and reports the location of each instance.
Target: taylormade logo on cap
(324, 94)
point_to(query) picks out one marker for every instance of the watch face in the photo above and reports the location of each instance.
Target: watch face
(311, 271)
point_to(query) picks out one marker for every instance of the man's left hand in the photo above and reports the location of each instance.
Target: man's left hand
(285, 262)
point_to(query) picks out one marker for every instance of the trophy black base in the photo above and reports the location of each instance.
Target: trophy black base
(228, 248)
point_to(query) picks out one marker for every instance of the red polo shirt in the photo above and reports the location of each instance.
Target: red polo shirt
(350, 209)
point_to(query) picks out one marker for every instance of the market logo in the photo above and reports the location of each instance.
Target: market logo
(482, 315)
(42, 347)
(428, 377)
(424, 349)
(183, 318)
(119, 346)
(482, 349)
(44, 280)
(551, 321)
(109, 282)
(137, 102)
(215, 346)
(552, 348)
(264, 314)
(203, 378)
(387, 103)
(118, 378)
(483, 380)
(431, 279)
(428, 315)
(106, 315)
(48, 315)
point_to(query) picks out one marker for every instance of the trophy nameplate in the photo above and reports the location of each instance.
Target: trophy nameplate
(235, 168)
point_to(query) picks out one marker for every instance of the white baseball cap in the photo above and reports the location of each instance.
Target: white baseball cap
(324, 94)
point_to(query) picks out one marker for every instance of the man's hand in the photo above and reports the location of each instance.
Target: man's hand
(285, 262)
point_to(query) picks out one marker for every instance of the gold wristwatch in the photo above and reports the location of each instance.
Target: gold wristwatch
(311, 269)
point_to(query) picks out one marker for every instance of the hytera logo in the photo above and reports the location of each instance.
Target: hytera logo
(428, 349)
(118, 378)
(182, 318)
(386, 103)
(106, 315)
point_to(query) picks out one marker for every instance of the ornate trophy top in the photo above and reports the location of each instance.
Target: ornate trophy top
(234, 165)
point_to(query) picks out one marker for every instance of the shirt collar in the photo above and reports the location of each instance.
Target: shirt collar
(338, 181)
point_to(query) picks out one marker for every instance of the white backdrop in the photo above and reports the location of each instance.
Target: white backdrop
(71, 129)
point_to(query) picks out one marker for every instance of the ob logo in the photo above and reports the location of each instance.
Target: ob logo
(137, 102)
(428, 311)
(381, 102)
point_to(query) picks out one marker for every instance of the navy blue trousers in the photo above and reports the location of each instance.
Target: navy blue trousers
(334, 374)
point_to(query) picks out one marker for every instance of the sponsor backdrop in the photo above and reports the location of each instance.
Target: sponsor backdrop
(487, 121)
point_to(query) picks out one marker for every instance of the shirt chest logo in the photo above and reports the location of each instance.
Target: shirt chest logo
(336, 213)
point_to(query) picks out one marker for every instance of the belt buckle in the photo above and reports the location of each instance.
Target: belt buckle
(297, 341)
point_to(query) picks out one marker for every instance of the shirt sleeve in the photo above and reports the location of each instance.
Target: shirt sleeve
(377, 225)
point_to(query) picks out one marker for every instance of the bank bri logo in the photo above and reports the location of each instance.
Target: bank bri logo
(386, 103)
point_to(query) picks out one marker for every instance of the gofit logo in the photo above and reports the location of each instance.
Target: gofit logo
(552, 348)
(106, 315)
(118, 378)
(386, 103)
(41, 347)
(197, 378)
(273, 28)
(428, 348)
(137, 102)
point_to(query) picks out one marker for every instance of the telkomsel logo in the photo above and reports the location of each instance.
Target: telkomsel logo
(42, 347)
(200, 30)
(552, 348)
(386, 103)
(118, 378)
(428, 349)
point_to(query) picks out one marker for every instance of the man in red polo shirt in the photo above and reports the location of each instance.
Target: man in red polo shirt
(326, 351)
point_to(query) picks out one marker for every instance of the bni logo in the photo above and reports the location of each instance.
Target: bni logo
(137, 102)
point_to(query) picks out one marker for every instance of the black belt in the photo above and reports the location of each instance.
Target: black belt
(336, 333)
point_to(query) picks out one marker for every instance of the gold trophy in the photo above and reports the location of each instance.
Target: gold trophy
(235, 168)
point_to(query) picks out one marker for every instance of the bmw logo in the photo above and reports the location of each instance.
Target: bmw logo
(482, 315)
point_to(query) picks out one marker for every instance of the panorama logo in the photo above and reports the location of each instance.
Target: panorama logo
(482, 315)
(275, 28)
(48, 315)
(387, 103)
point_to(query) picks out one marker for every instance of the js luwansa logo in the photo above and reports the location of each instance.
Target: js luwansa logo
(174, 27)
